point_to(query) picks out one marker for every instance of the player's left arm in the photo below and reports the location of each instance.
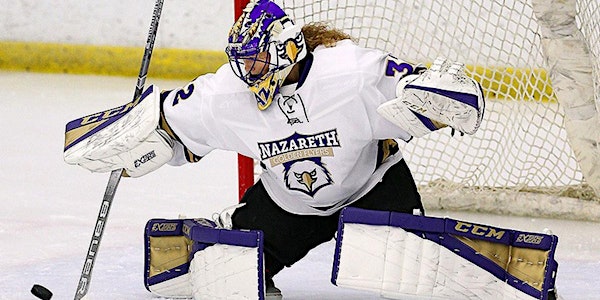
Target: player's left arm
(385, 71)
(430, 99)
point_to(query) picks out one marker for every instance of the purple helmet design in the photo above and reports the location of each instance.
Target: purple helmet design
(264, 44)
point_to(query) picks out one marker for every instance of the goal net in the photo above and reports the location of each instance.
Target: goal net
(532, 143)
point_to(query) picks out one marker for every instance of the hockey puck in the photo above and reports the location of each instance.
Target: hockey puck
(41, 292)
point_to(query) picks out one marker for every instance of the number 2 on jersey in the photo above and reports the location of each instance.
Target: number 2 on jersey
(183, 93)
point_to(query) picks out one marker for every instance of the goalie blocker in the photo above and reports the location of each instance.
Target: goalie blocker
(403, 256)
(126, 137)
(192, 258)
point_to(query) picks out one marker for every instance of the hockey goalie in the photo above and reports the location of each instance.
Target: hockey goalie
(324, 118)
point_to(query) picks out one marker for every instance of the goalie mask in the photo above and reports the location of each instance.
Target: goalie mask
(264, 45)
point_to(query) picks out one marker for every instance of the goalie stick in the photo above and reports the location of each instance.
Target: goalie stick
(115, 175)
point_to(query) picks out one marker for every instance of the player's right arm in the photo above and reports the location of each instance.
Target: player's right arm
(135, 137)
(181, 154)
(126, 137)
(176, 127)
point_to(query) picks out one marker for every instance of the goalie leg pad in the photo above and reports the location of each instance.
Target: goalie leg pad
(442, 94)
(440, 258)
(232, 268)
(167, 255)
(216, 264)
(226, 272)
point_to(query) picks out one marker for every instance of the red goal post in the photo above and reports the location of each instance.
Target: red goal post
(245, 164)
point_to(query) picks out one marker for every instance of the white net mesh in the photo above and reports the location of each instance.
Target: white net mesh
(522, 145)
(588, 21)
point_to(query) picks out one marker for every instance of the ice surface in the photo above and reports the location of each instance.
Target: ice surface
(49, 208)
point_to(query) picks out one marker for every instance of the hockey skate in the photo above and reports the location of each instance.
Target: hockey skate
(271, 291)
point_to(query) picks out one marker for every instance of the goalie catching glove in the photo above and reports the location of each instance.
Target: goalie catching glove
(441, 96)
(126, 137)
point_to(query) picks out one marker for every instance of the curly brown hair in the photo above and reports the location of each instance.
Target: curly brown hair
(320, 33)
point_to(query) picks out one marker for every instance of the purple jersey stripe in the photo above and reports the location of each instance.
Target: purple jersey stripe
(466, 98)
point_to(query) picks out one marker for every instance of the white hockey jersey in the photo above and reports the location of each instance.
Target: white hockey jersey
(317, 142)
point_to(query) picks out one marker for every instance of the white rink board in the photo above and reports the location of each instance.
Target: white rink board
(198, 24)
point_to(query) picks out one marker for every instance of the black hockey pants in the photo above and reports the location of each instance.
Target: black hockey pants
(289, 237)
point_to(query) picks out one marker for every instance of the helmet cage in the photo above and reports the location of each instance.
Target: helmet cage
(252, 65)
(263, 45)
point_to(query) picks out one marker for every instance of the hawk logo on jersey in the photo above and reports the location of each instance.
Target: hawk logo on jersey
(293, 108)
(301, 156)
(307, 176)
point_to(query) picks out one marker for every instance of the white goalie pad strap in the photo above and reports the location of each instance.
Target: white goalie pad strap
(435, 258)
(124, 137)
(443, 94)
